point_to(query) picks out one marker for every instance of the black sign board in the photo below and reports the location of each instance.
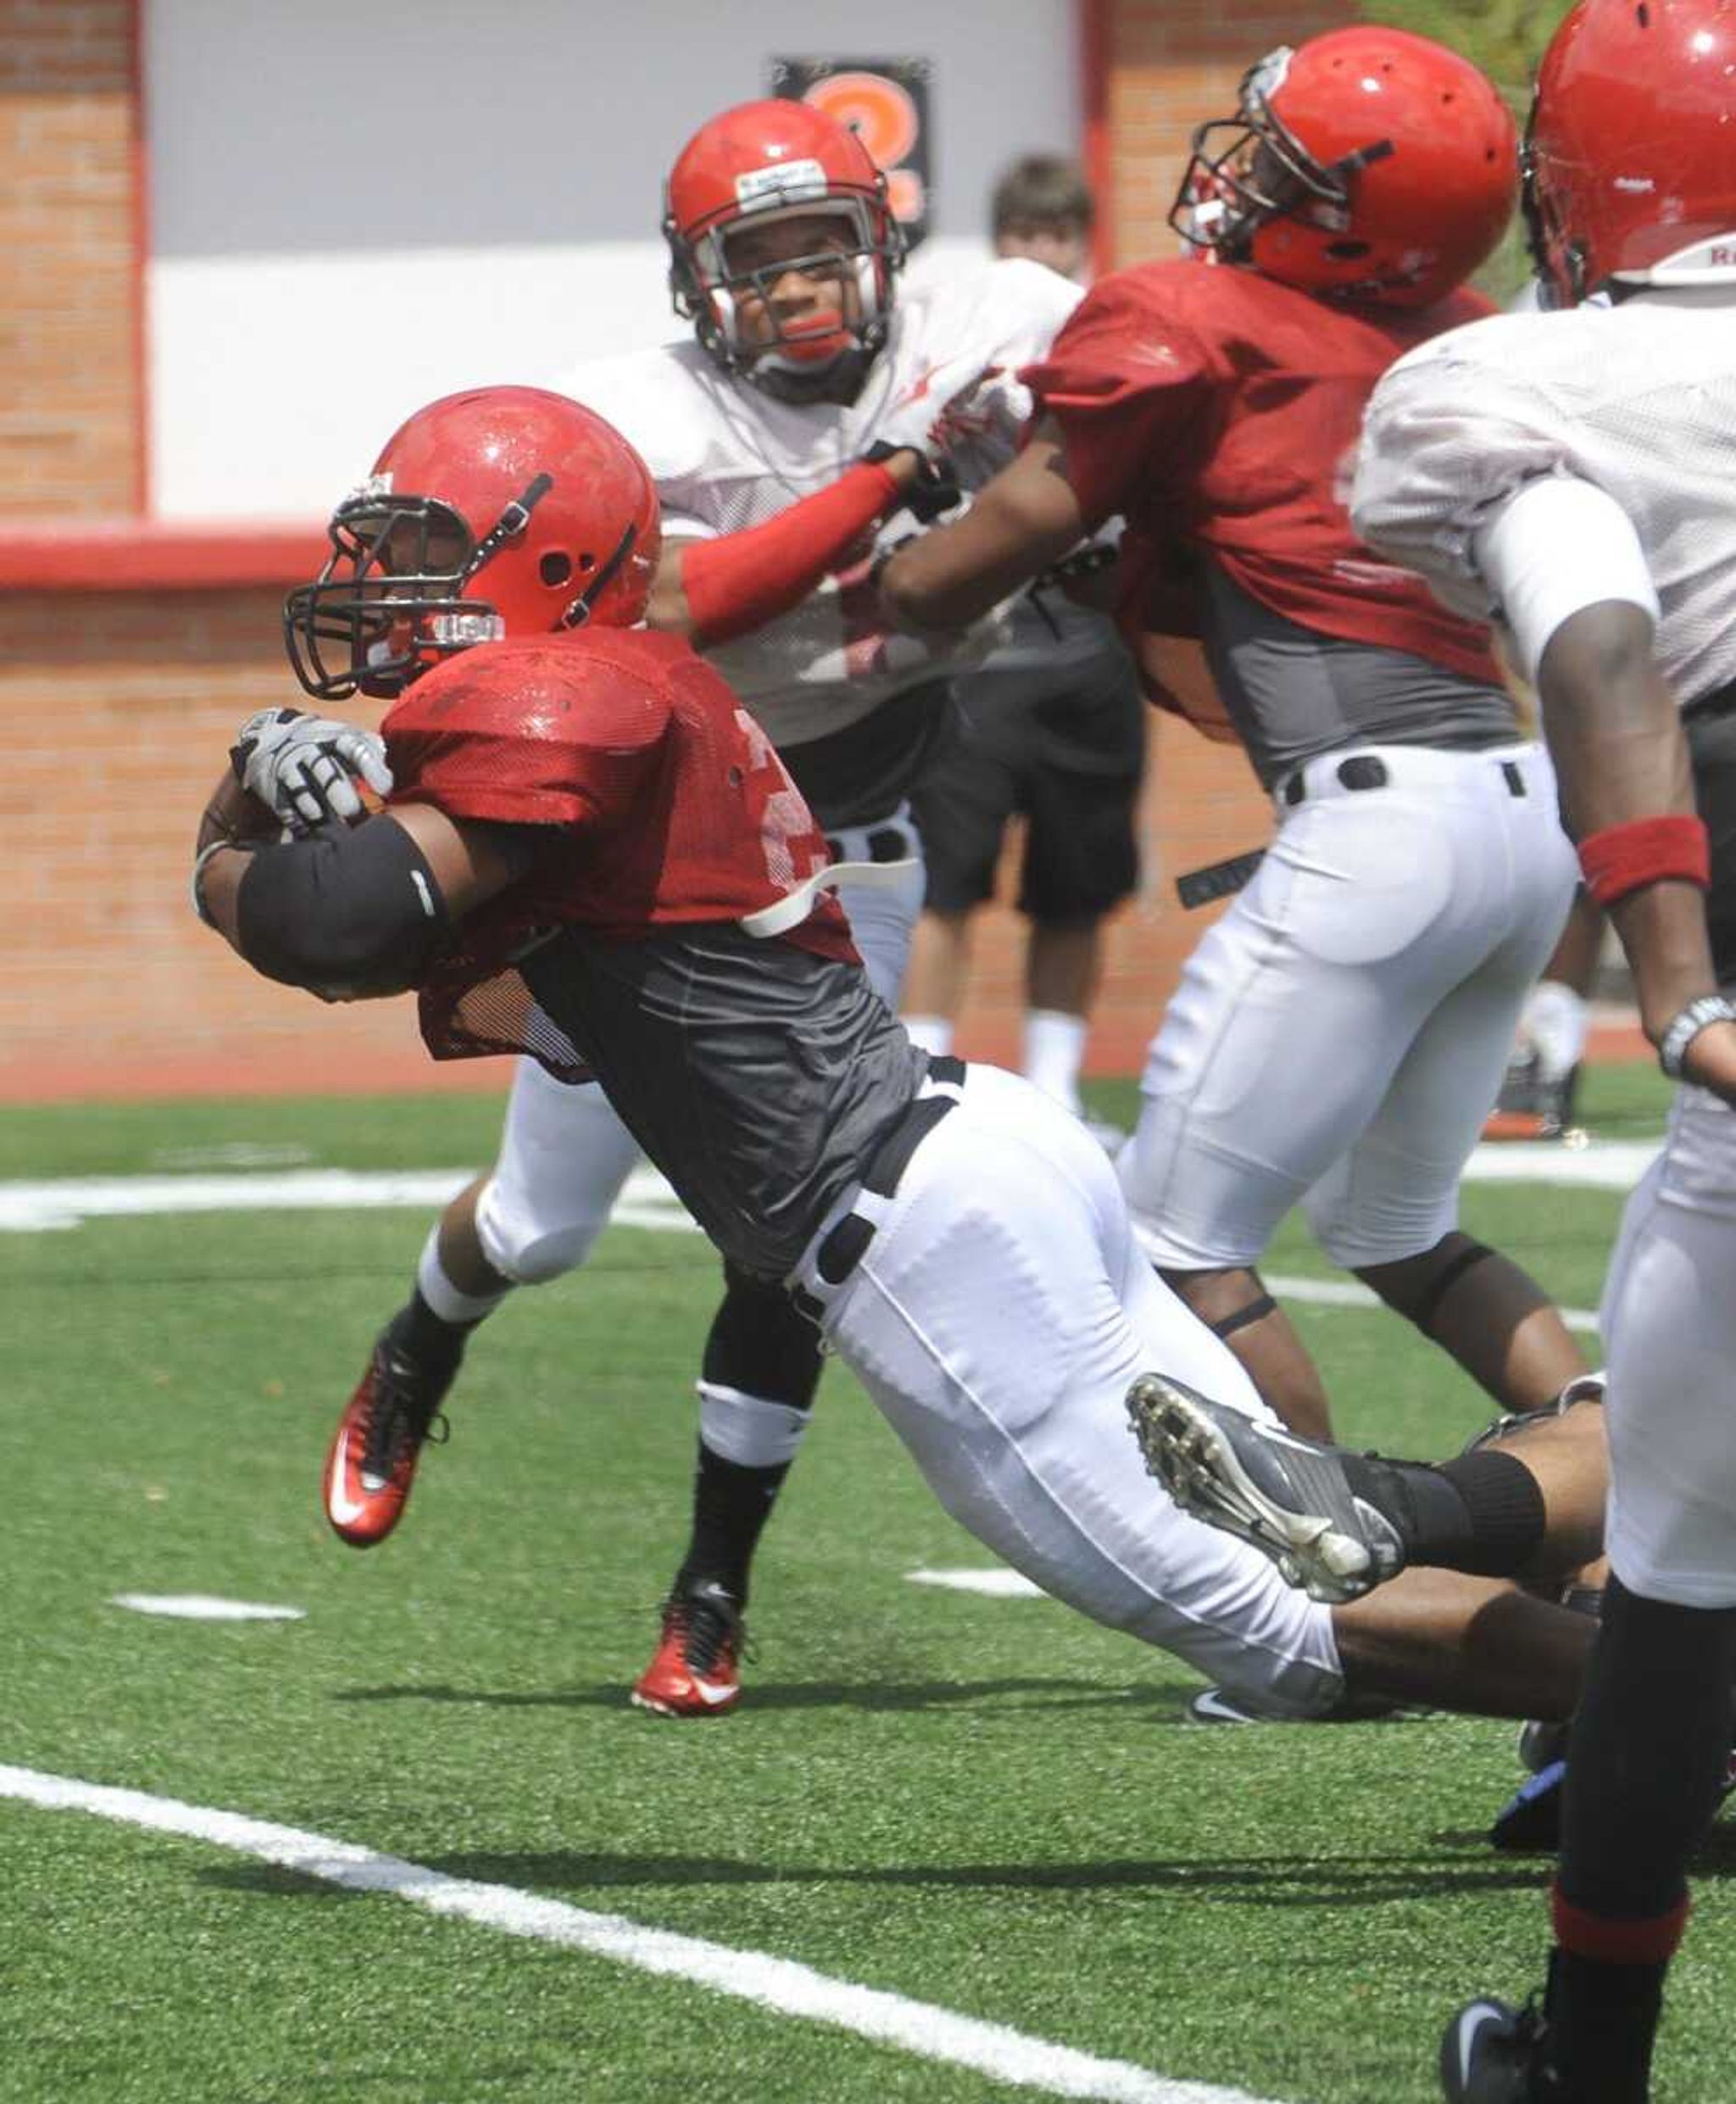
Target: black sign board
(885, 103)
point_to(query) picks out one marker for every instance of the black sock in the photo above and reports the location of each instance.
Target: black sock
(427, 1338)
(1645, 1764)
(1602, 2020)
(732, 1503)
(1482, 1512)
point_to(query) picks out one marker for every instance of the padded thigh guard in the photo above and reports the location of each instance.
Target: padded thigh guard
(345, 911)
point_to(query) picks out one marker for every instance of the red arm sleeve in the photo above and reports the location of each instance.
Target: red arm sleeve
(1127, 383)
(737, 584)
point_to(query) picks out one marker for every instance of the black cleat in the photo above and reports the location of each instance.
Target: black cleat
(1530, 1822)
(1289, 1498)
(1492, 2053)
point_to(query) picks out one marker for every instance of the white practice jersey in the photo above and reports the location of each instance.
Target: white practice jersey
(1638, 398)
(725, 455)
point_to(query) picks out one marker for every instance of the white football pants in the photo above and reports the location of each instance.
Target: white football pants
(1669, 1324)
(564, 1155)
(1338, 1037)
(997, 1316)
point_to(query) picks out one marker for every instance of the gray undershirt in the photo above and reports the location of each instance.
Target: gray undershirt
(1292, 693)
(759, 1077)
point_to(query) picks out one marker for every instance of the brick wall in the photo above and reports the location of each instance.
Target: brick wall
(69, 440)
(1170, 64)
(115, 712)
(115, 706)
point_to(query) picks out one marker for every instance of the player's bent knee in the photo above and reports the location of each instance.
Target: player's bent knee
(1418, 1287)
(530, 1254)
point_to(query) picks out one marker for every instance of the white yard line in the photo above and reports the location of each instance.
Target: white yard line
(776, 1984)
(65, 1203)
(69, 1201)
(204, 1607)
(1343, 1293)
(35, 1208)
(997, 1581)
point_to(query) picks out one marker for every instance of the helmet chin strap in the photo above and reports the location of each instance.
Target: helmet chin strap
(579, 610)
(838, 379)
(508, 527)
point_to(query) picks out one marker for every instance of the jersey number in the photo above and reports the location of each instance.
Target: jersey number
(792, 844)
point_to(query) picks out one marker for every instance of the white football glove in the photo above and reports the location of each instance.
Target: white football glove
(307, 768)
(940, 407)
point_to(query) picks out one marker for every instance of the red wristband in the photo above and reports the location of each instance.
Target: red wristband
(737, 584)
(1624, 859)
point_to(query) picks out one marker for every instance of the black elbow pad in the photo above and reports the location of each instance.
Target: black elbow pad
(345, 910)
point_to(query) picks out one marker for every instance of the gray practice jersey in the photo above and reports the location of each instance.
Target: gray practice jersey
(1292, 693)
(1638, 398)
(757, 1075)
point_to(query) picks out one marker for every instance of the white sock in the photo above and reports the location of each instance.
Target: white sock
(1054, 1049)
(933, 1034)
(442, 1295)
(1556, 1020)
(750, 1430)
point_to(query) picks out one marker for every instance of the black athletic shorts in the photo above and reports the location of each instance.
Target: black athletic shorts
(1062, 747)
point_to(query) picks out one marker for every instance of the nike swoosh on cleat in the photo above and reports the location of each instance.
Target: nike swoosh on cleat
(712, 1692)
(1464, 2038)
(344, 1511)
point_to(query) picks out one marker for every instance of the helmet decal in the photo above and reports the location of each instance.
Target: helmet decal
(780, 183)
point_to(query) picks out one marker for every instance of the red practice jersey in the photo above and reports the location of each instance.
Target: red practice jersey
(1219, 412)
(658, 801)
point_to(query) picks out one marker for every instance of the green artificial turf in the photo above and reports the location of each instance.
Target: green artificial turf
(988, 1805)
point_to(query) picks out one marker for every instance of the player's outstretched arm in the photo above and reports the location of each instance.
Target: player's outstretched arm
(714, 591)
(1017, 526)
(348, 912)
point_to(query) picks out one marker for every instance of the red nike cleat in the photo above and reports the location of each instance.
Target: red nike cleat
(372, 1462)
(696, 1670)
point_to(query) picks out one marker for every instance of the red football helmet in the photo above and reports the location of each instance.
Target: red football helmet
(1630, 155)
(500, 511)
(766, 161)
(1368, 164)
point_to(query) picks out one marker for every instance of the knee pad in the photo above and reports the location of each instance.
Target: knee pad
(531, 1252)
(1440, 1282)
(761, 1345)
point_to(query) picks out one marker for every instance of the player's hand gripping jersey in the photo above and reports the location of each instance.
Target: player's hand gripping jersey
(1219, 411)
(726, 455)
